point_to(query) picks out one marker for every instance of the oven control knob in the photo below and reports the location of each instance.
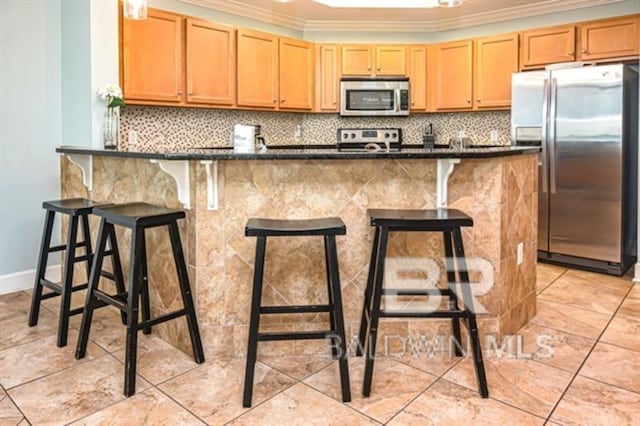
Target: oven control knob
(386, 135)
(353, 135)
(394, 135)
(345, 136)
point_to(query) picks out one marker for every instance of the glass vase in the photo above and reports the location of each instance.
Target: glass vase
(111, 128)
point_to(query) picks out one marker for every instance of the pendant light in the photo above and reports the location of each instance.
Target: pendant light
(135, 9)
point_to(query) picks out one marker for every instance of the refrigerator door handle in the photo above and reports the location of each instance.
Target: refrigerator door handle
(544, 140)
(552, 135)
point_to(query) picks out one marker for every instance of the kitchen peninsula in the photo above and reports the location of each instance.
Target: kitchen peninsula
(220, 190)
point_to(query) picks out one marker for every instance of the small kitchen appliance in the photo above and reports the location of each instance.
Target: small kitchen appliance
(367, 97)
(383, 139)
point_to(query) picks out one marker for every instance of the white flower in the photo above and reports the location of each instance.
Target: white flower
(109, 91)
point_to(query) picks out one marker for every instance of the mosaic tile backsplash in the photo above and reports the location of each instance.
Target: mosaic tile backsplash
(180, 128)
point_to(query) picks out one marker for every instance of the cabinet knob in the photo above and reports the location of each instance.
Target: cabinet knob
(413, 103)
(378, 68)
(191, 93)
(335, 103)
(274, 101)
(584, 50)
(468, 101)
(369, 69)
(282, 101)
(571, 52)
(179, 92)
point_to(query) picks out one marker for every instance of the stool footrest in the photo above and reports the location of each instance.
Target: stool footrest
(82, 258)
(295, 309)
(419, 314)
(49, 295)
(307, 335)
(51, 285)
(416, 292)
(76, 311)
(118, 300)
(53, 249)
(162, 318)
(108, 275)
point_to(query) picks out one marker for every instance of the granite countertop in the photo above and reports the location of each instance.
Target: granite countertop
(320, 152)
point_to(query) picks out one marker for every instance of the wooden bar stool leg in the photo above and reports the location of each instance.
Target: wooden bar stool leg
(334, 341)
(366, 306)
(130, 361)
(86, 233)
(467, 298)
(453, 298)
(185, 290)
(254, 322)
(90, 299)
(67, 282)
(146, 304)
(116, 265)
(375, 312)
(43, 257)
(330, 244)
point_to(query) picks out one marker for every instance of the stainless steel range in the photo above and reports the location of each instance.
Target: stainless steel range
(385, 139)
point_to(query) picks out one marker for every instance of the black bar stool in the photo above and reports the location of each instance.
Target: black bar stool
(449, 222)
(78, 210)
(328, 228)
(138, 217)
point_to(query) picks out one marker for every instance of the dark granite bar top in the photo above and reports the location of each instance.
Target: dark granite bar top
(306, 152)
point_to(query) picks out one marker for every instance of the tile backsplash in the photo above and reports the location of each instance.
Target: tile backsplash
(179, 128)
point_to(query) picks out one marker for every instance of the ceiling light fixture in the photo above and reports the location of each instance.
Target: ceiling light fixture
(135, 9)
(379, 4)
(450, 3)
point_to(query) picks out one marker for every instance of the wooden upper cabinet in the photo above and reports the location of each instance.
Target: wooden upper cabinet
(547, 46)
(418, 77)
(152, 58)
(296, 74)
(211, 63)
(609, 38)
(257, 69)
(327, 77)
(496, 59)
(391, 60)
(357, 59)
(454, 75)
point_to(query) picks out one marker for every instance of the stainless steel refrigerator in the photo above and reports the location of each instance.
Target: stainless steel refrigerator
(586, 120)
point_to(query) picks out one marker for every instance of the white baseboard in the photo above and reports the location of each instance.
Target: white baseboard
(24, 280)
(636, 276)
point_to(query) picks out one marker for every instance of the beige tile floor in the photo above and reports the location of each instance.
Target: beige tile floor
(589, 322)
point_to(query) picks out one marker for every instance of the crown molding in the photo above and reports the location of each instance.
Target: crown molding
(269, 16)
(252, 12)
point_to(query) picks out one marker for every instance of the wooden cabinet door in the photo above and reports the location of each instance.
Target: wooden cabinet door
(327, 77)
(418, 77)
(548, 46)
(357, 60)
(454, 75)
(211, 63)
(257, 69)
(496, 58)
(609, 39)
(151, 52)
(296, 74)
(391, 60)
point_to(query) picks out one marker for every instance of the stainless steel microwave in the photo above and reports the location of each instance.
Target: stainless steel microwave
(374, 96)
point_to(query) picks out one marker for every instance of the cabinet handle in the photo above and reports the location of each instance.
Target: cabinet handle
(584, 50)
(571, 52)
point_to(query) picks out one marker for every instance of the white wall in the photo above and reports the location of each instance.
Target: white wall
(30, 128)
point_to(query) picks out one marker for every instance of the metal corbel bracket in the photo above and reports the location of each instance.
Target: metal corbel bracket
(179, 171)
(444, 169)
(211, 169)
(85, 162)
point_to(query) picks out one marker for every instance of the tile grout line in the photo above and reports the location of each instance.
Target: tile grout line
(24, 416)
(588, 355)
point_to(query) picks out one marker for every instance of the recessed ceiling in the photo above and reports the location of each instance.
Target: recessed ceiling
(307, 15)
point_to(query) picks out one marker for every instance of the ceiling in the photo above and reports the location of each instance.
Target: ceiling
(306, 15)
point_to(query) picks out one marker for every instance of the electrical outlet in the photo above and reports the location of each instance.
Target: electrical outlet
(519, 254)
(494, 136)
(461, 134)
